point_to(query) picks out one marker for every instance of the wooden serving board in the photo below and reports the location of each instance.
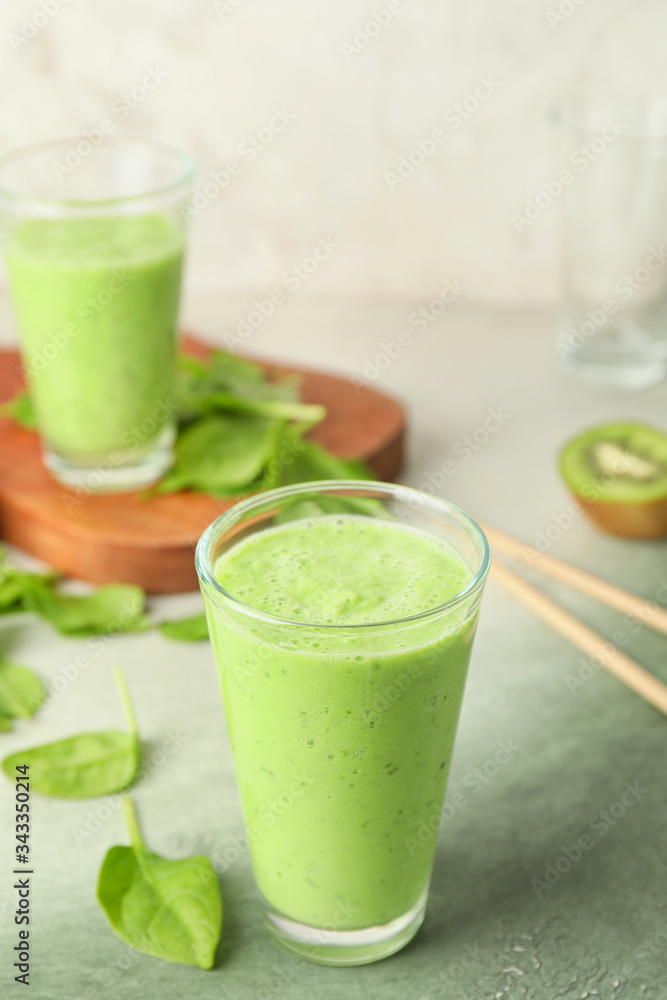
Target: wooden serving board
(123, 538)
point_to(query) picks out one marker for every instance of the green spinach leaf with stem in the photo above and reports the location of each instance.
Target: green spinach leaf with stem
(85, 766)
(225, 382)
(309, 413)
(169, 909)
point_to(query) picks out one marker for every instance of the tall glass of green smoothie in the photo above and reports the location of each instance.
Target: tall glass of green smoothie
(94, 243)
(342, 617)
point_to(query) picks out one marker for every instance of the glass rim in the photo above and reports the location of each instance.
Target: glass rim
(233, 515)
(19, 153)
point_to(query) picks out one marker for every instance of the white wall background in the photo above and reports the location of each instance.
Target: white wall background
(227, 64)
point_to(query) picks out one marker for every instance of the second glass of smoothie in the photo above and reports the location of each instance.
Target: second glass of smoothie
(342, 616)
(94, 250)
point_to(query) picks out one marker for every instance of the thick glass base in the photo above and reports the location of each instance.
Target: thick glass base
(635, 374)
(355, 947)
(621, 358)
(135, 470)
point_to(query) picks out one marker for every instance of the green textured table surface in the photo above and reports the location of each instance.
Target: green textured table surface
(541, 761)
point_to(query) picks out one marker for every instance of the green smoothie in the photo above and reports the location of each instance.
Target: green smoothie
(97, 303)
(342, 737)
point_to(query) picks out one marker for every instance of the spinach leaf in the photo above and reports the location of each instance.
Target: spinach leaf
(21, 691)
(116, 607)
(309, 461)
(113, 608)
(186, 629)
(22, 410)
(11, 590)
(84, 766)
(169, 909)
(227, 369)
(310, 413)
(221, 454)
(222, 368)
(15, 582)
(225, 382)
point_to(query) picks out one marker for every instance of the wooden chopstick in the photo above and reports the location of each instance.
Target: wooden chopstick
(648, 612)
(607, 655)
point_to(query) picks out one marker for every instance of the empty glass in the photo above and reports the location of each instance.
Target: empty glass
(612, 194)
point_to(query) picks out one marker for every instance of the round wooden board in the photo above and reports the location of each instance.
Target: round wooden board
(126, 539)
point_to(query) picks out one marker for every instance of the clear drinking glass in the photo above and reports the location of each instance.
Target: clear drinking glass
(342, 736)
(612, 194)
(94, 238)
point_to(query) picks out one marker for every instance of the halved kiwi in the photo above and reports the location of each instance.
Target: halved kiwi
(618, 473)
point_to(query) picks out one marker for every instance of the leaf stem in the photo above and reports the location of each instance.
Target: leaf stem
(309, 413)
(126, 702)
(132, 824)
